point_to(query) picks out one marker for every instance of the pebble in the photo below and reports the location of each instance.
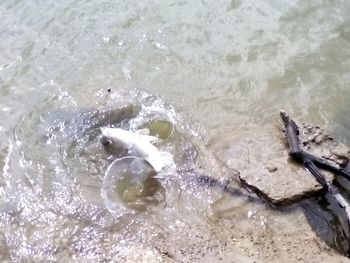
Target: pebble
(271, 169)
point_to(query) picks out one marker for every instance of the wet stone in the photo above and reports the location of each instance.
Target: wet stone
(262, 158)
(318, 142)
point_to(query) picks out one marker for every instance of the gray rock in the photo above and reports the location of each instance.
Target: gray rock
(318, 142)
(262, 159)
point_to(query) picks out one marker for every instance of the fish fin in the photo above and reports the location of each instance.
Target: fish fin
(156, 163)
(160, 161)
(143, 131)
(150, 138)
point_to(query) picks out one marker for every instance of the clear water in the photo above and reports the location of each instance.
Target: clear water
(223, 64)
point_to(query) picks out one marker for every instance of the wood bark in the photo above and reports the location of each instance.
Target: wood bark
(310, 161)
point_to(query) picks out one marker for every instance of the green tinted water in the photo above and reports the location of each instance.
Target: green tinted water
(223, 64)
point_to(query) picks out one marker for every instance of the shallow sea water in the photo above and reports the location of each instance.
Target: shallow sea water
(223, 65)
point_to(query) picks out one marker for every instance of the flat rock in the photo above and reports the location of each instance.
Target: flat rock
(262, 159)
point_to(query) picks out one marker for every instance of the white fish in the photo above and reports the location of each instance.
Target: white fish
(121, 142)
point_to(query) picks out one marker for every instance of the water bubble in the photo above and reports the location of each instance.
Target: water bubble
(159, 128)
(128, 181)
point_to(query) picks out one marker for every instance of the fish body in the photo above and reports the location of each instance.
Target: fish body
(138, 144)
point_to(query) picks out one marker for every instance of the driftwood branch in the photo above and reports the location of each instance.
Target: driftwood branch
(292, 132)
(310, 161)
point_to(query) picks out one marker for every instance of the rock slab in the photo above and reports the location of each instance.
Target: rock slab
(262, 159)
